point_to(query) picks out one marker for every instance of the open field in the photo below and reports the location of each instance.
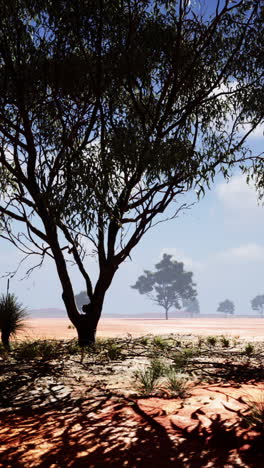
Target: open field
(249, 328)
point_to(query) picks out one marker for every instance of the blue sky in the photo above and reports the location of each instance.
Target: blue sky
(220, 238)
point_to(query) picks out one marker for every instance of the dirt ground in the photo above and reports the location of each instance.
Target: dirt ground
(250, 328)
(65, 412)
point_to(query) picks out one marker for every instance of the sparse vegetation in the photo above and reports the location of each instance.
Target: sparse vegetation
(249, 349)
(255, 416)
(12, 318)
(225, 341)
(146, 381)
(178, 382)
(212, 340)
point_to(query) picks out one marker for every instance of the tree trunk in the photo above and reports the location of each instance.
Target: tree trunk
(86, 328)
(167, 313)
(5, 336)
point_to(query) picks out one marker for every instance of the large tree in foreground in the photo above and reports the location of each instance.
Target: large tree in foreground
(109, 111)
(168, 286)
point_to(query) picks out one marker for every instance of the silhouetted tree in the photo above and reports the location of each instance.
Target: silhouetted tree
(258, 304)
(227, 307)
(109, 111)
(168, 286)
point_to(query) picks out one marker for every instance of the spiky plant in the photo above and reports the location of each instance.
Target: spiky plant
(12, 317)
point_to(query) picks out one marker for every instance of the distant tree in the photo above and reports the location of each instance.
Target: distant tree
(109, 112)
(168, 286)
(258, 304)
(12, 318)
(191, 306)
(227, 307)
(81, 299)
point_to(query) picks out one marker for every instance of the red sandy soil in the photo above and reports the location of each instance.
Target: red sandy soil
(92, 431)
(204, 430)
(249, 328)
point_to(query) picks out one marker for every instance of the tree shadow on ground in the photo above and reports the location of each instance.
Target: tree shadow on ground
(106, 430)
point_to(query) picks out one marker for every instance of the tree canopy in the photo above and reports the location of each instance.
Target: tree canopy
(109, 111)
(168, 286)
(258, 303)
(227, 307)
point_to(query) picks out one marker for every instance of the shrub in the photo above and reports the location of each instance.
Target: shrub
(225, 342)
(146, 380)
(12, 317)
(249, 349)
(177, 382)
(159, 342)
(181, 358)
(158, 367)
(113, 351)
(46, 350)
(211, 340)
(255, 417)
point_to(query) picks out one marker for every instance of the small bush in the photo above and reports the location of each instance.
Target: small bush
(46, 350)
(114, 352)
(225, 342)
(159, 342)
(179, 360)
(211, 340)
(144, 340)
(177, 382)
(249, 349)
(146, 380)
(158, 367)
(12, 318)
(255, 417)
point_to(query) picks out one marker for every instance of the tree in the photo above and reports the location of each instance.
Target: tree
(258, 304)
(12, 318)
(109, 111)
(168, 286)
(227, 307)
(192, 306)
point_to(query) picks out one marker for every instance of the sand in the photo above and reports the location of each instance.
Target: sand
(248, 328)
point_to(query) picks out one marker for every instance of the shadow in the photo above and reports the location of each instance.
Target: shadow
(106, 430)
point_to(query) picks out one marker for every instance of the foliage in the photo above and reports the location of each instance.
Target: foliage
(168, 286)
(114, 351)
(255, 416)
(227, 307)
(159, 342)
(249, 349)
(146, 380)
(258, 304)
(178, 382)
(44, 349)
(212, 340)
(191, 306)
(12, 317)
(225, 341)
(109, 111)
